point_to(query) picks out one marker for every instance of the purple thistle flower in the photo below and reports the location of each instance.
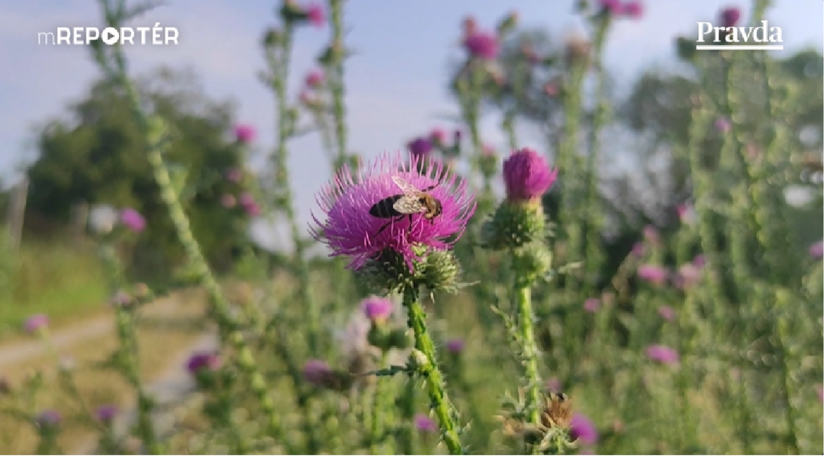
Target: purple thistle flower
(667, 313)
(316, 372)
(455, 346)
(106, 413)
(815, 250)
(722, 124)
(662, 354)
(582, 429)
(592, 304)
(36, 323)
(420, 146)
(527, 175)
(316, 15)
(377, 309)
(482, 45)
(314, 79)
(132, 220)
(350, 230)
(203, 361)
(638, 249)
(699, 261)
(424, 423)
(612, 7)
(652, 273)
(730, 16)
(244, 133)
(633, 10)
(48, 418)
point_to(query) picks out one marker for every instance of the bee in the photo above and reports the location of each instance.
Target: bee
(411, 201)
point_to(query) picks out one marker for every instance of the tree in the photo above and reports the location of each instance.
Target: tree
(96, 155)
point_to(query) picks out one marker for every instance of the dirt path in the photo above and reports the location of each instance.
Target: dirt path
(16, 352)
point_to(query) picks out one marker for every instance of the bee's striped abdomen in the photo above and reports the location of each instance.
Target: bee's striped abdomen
(384, 209)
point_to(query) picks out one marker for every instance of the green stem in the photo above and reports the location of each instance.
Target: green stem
(432, 375)
(152, 131)
(381, 405)
(280, 71)
(524, 306)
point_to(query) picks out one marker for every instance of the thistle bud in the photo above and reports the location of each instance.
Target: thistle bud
(531, 263)
(514, 225)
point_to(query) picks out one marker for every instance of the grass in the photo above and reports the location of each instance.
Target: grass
(61, 280)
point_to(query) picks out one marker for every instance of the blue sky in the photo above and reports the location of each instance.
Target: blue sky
(395, 83)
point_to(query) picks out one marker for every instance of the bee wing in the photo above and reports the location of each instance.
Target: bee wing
(408, 204)
(407, 187)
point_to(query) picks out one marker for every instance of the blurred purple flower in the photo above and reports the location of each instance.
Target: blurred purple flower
(376, 308)
(120, 299)
(551, 89)
(638, 249)
(722, 124)
(36, 323)
(420, 146)
(48, 418)
(455, 346)
(613, 7)
(316, 372)
(667, 312)
(234, 175)
(483, 45)
(203, 360)
(686, 213)
(252, 209)
(730, 16)
(819, 392)
(815, 250)
(244, 133)
(651, 234)
(424, 423)
(106, 413)
(688, 275)
(228, 201)
(699, 261)
(662, 354)
(553, 385)
(653, 273)
(132, 220)
(314, 79)
(438, 136)
(582, 429)
(633, 9)
(349, 229)
(316, 14)
(592, 304)
(527, 175)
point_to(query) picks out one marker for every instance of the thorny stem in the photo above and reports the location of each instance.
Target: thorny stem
(432, 375)
(128, 358)
(284, 130)
(524, 306)
(152, 131)
(337, 80)
(593, 224)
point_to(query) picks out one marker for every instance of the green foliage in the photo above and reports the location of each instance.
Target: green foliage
(96, 155)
